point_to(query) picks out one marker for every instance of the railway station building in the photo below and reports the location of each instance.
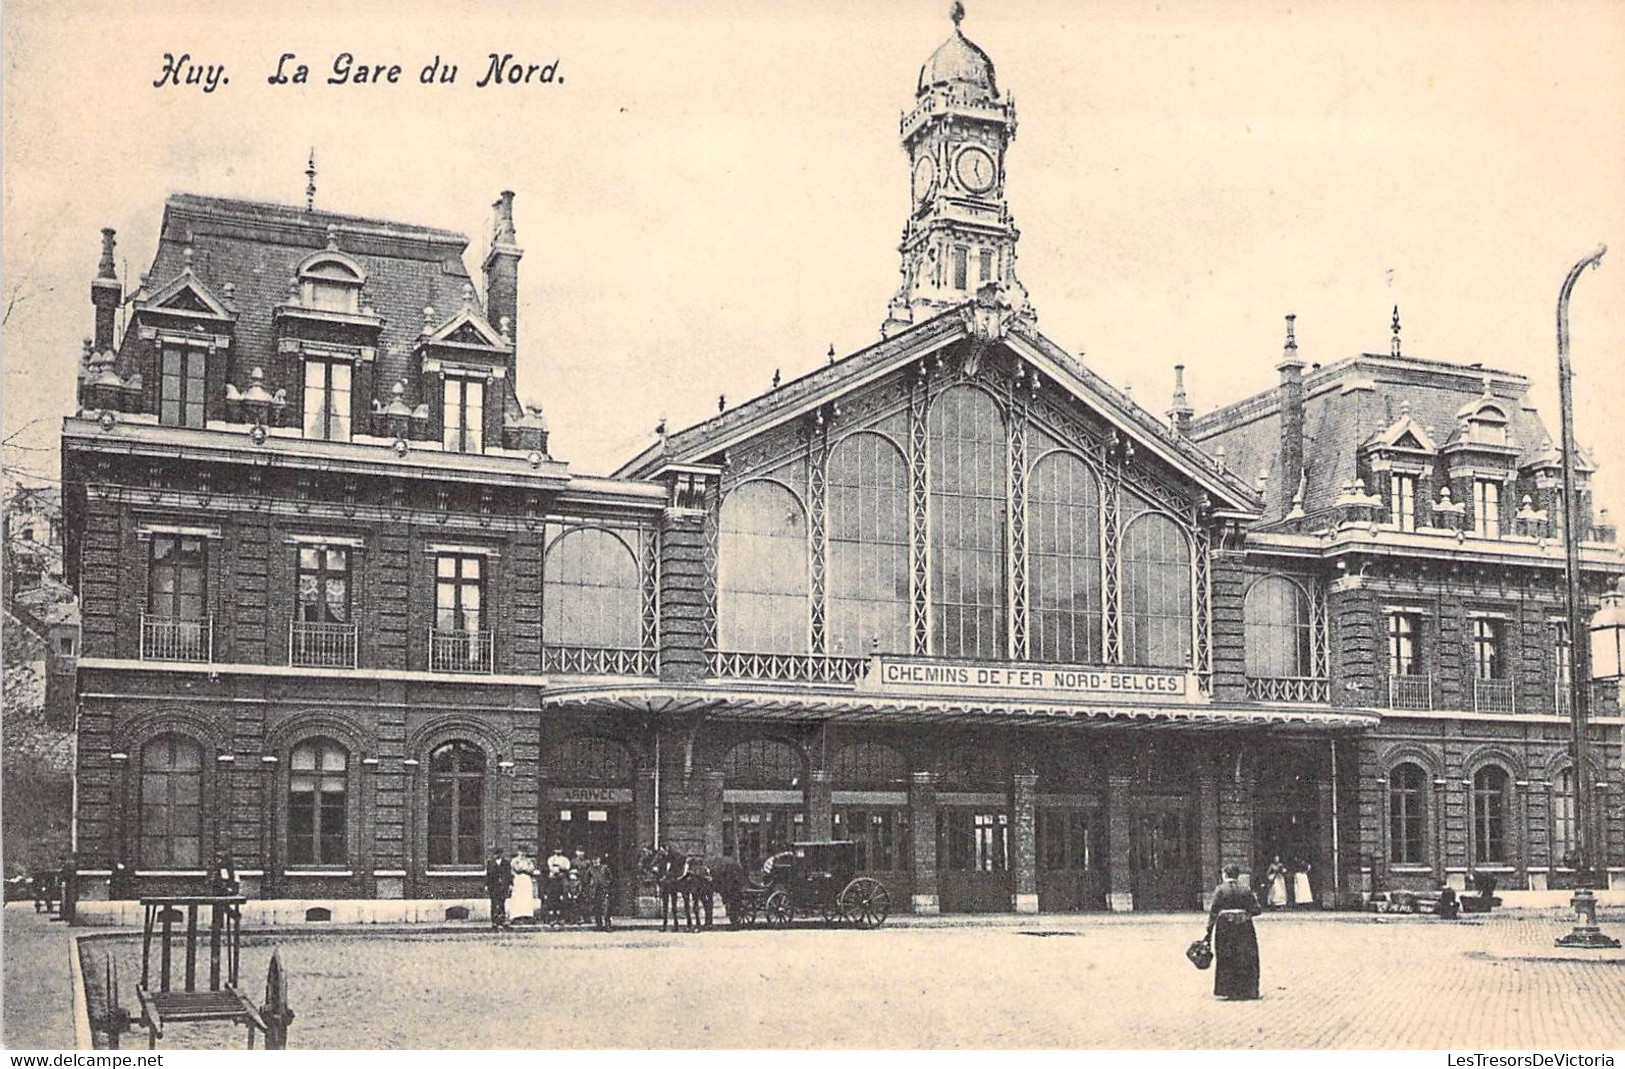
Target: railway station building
(349, 618)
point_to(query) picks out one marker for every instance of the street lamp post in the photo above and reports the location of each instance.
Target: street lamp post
(1586, 934)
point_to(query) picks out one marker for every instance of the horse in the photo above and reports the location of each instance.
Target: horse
(674, 876)
(697, 880)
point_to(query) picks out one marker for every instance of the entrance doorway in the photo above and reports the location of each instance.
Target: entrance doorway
(1294, 837)
(1071, 860)
(884, 848)
(1162, 860)
(597, 829)
(751, 833)
(973, 860)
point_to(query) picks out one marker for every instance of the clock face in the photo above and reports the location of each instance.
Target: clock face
(925, 177)
(975, 169)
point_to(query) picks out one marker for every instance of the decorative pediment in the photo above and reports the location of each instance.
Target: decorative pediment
(187, 295)
(1404, 434)
(467, 329)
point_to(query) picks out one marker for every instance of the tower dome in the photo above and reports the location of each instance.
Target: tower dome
(958, 61)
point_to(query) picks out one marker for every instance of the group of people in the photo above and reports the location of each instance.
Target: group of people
(1287, 884)
(523, 892)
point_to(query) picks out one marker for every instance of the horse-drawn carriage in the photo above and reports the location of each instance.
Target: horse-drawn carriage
(815, 879)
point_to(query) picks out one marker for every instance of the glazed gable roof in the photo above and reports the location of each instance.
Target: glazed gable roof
(1353, 402)
(259, 247)
(698, 443)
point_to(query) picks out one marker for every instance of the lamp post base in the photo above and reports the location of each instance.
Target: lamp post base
(1586, 935)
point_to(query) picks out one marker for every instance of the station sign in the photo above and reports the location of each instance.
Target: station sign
(1092, 681)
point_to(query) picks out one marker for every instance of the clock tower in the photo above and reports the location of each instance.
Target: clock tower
(960, 236)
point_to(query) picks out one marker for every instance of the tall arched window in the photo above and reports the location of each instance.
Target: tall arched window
(762, 571)
(1277, 624)
(1156, 593)
(1407, 815)
(968, 504)
(591, 592)
(456, 804)
(1565, 834)
(1063, 544)
(1490, 805)
(589, 759)
(171, 803)
(868, 547)
(771, 814)
(317, 793)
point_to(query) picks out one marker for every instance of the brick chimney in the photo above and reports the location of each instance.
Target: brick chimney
(1290, 472)
(502, 270)
(105, 294)
(1181, 414)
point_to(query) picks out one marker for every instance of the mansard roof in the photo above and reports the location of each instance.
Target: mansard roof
(259, 249)
(1354, 401)
(699, 443)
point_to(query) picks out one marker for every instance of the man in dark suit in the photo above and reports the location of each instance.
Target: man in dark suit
(498, 881)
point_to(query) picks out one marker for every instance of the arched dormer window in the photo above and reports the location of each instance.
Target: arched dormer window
(330, 283)
(1488, 426)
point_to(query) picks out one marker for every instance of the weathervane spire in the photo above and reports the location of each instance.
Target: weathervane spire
(310, 181)
(1396, 330)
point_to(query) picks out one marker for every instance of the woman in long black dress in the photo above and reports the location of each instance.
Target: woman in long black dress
(1235, 943)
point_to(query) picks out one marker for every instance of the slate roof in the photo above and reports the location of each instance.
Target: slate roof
(1350, 402)
(258, 247)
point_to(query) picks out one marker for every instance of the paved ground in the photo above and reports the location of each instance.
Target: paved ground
(36, 987)
(1333, 980)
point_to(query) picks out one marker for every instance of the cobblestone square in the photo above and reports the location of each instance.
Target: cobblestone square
(1338, 981)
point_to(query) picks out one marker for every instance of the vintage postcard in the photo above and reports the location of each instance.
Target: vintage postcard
(638, 525)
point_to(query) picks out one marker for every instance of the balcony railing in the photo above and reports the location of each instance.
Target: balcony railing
(1495, 696)
(1604, 699)
(789, 667)
(1288, 689)
(321, 645)
(459, 651)
(1410, 692)
(599, 661)
(167, 638)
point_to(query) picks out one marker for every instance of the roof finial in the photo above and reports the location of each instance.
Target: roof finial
(1291, 331)
(310, 181)
(956, 11)
(1396, 330)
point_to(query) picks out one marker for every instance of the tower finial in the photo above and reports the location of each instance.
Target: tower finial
(956, 11)
(310, 181)
(1396, 330)
(1291, 331)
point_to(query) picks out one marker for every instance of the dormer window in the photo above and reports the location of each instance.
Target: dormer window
(1487, 508)
(330, 286)
(1488, 427)
(464, 420)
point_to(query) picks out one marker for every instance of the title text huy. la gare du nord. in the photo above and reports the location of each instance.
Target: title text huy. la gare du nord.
(499, 69)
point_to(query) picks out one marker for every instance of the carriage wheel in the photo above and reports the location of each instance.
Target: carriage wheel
(748, 913)
(779, 909)
(865, 902)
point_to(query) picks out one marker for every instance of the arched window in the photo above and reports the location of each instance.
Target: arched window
(1156, 593)
(967, 454)
(974, 767)
(1490, 805)
(456, 804)
(762, 571)
(764, 763)
(317, 794)
(591, 592)
(330, 285)
(1565, 836)
(589, 759)
(1063, 543)
(1277, 623)
(869, 765)
(1407, 815)
(868, 547)
(171, 803)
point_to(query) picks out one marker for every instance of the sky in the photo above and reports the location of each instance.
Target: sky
(712, 192)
